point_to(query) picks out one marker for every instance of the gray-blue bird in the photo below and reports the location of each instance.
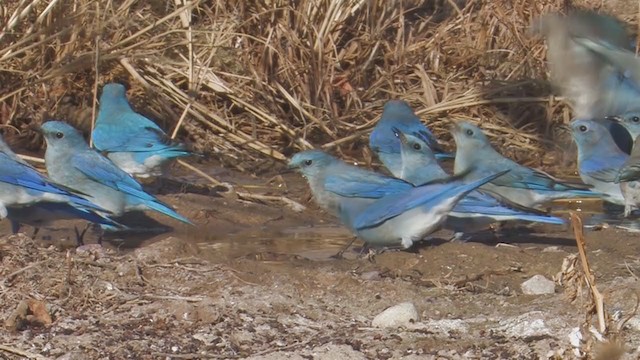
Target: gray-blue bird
(28, 197)
(475, 211)
(599, 159)
(398, 114)
(522, 185)
(134, 143)
(71, 162)
(382, 211)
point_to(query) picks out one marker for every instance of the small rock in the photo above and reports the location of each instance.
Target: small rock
(402, 314)
(370, 275)
(538, 285)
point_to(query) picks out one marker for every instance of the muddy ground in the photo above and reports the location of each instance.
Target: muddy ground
(256, 280)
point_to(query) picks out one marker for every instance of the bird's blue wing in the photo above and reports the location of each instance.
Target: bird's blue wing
(530, 179)
(103, 171)
(395, 205)
(600, 168)
(364, 185)
(132, 133)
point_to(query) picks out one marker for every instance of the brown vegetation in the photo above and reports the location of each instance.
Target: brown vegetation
(261, 79)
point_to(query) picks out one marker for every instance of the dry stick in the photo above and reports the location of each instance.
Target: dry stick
(22, 353)
(576, 222)
(95, 83)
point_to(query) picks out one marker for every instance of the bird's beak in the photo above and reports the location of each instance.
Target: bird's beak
(400, 135)
(615, 118)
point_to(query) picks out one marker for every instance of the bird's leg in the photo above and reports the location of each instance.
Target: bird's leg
(36, 230)
(627, 210)
(80, 235)
(339, 254)
(459, 237)
(15, 226)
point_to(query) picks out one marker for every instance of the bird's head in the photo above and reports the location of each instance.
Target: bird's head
(310, 162)
(59, 133)
(468, 136)
(587, 132)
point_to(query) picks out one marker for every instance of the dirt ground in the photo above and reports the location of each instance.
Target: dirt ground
(256, 280)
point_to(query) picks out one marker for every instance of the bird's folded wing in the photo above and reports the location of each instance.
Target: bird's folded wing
(372, 186)
(103, 171)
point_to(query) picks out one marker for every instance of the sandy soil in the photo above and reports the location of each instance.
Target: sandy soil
(256, 280)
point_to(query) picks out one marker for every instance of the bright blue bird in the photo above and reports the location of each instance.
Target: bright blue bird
(522, 185)
(382, 211)
(28, 197)
(600, 161)
(71, 162)
(475, 211)
(398, 114)
(133, 142)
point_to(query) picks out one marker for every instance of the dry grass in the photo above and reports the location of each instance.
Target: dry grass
(261, 79)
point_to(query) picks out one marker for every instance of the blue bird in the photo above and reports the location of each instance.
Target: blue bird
(134, 143)
(599, 159)
(28, 197)
(473, 212)
(382, 211)
(522, 185)
(397, 113)
(71, 162)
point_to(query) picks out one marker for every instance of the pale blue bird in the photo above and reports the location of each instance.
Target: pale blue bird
(522, 185)
(28, 197)
(398, 114)
(133, 142)
(71, 162)
(473, 212)
(382, 211)
(599, 159)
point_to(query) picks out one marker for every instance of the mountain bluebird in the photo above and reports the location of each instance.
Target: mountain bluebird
(474, 211)
(522, 185)
(28, 197)
(381, 210)
(397, 113)
(585, 51)
(71, 162)
(599, 159)
(134, 143)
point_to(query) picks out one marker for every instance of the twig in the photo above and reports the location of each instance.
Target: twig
(23, 353)
(173, 297)
(576, 222)
(95, 263)
(17, 272)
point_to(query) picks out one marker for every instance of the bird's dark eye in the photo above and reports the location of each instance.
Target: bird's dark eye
(469, 132)
(635, 119)
(417, 146)
(308, 162)
(59, 135)
(582, 128)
